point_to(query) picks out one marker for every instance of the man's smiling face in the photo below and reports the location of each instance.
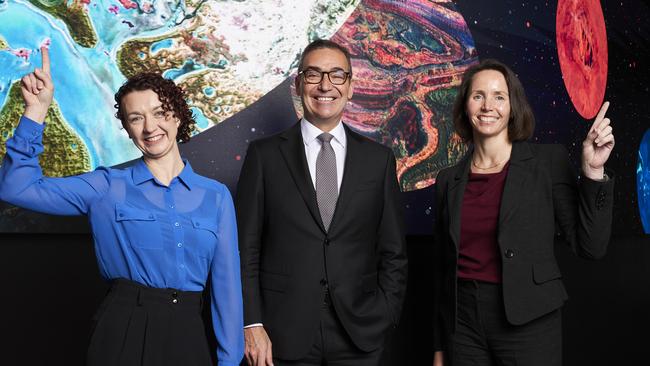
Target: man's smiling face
(323, 103)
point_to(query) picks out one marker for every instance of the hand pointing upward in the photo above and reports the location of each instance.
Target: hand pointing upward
(38, 90)
(597, 146)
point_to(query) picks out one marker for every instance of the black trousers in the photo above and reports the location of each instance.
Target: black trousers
(333, 346)
(138, 325)
(484, 337)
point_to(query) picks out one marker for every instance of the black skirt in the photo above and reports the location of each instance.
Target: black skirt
(138, 325)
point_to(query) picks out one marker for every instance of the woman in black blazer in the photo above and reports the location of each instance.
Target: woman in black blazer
(498, 289)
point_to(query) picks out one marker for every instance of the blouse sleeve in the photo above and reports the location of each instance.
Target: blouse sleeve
(226, 294)
(22, 182)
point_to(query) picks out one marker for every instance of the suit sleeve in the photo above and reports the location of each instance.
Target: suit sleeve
(249, 202)
(392, 270)
(583, 211)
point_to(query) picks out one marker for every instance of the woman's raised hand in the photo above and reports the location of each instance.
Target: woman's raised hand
(38, 90)
(597, 146)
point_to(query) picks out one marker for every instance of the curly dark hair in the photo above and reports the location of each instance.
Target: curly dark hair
(171, 95)
(522, 121)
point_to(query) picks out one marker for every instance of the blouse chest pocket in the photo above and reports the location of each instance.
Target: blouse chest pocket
(206, 235)
(140, 227)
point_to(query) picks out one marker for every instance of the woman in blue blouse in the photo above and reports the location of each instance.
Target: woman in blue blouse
(160, 230)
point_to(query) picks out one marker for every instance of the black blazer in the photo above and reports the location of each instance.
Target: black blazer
(288, 258)
(541, 194)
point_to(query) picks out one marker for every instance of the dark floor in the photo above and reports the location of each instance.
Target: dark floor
(50, 289)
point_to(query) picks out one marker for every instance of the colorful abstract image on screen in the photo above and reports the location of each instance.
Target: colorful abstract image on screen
(226, 54)
(408, 59)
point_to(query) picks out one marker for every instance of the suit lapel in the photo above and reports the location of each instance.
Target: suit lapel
(513, 190)
(351, 174)
(293, 151)
(455, 194)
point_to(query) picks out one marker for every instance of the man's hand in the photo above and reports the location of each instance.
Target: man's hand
(258, 347)
(38, 90)
(438, 359)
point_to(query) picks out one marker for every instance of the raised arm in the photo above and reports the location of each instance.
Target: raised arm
(585, 215)
(21, 178)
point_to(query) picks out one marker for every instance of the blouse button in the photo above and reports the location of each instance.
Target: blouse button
(177, 224)
(179, 245)
(510, 253)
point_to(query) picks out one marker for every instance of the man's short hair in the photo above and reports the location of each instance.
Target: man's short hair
(325, 43)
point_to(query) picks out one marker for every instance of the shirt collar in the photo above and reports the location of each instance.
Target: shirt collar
(142, 174)
(310, 132)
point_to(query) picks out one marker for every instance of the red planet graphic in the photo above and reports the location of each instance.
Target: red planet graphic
(582, 50)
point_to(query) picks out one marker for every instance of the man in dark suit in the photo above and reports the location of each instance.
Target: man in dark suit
(320, 231)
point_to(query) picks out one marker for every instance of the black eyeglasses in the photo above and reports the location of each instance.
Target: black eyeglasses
(336, 77)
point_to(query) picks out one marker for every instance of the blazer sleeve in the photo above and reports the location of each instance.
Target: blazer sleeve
(392, 272)
(583, 210)
(249, 203)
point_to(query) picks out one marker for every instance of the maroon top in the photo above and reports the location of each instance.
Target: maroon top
(479, 257)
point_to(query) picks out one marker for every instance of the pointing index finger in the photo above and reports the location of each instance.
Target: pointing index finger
(45, 54)
(600, 116)
(602, 111)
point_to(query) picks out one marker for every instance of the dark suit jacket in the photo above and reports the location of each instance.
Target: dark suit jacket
(541, 193)
(288, 258)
